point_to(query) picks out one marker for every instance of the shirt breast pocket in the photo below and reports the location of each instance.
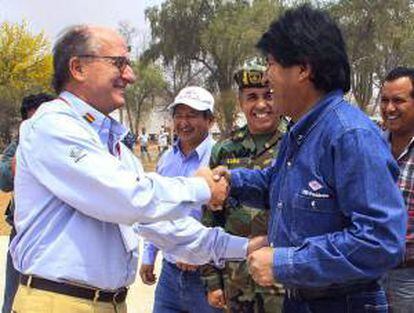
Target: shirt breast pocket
(315, 216)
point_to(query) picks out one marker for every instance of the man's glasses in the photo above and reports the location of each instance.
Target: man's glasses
(120, 62)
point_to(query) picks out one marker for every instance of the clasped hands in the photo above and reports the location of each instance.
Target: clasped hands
(260, 255)
(218, 181)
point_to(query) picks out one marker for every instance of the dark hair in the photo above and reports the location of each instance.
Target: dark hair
(32, 102)
(76, 40)
(399, 72)
(207, 114)
(309, 36)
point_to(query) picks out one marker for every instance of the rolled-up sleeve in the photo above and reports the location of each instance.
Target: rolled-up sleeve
(149, 253)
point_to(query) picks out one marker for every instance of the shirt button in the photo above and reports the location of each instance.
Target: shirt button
(280, 205)
(313, 204)
(300, 138)
(289, 163)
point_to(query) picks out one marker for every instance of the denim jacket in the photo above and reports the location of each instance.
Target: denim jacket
(337, 216)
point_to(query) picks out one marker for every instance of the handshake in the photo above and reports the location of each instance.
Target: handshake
(218, 180)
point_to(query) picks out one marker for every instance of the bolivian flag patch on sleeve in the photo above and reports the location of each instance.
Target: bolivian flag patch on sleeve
(89, 118)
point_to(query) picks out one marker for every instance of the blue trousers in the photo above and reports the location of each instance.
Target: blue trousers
(399, 285)
(180, 291)
(373, 301)
(12, 280)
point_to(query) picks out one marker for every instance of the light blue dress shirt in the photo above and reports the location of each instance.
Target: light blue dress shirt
(201, 243)
(77, 189)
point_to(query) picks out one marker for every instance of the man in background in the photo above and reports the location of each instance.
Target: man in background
(253, 146)
(28, 108)
(179, 288)
(143, 144)
(397, 110)
(337, 219)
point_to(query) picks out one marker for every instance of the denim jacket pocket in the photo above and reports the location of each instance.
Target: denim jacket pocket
(314, 216)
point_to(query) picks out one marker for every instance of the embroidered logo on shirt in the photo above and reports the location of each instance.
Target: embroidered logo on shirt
(315, 185)
(318, 195)
(77, 154)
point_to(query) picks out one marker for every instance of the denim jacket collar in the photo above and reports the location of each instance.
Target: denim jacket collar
(306, 123)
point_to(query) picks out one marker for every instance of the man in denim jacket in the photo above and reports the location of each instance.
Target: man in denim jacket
(338, 220)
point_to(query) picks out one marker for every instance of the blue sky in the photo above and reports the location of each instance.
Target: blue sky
(52, 16)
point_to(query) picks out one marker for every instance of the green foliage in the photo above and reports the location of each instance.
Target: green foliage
(25, 60)
(176, 29)
(25, 67)
(379, 36)
(140, 96)
(207, 40)
(217, 36)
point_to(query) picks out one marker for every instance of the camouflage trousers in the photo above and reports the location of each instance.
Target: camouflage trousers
(261, 303)
(243, 295)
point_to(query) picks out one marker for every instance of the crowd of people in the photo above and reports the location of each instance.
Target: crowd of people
(308, 208)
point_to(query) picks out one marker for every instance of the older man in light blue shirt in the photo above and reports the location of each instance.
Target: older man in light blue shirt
(78, 188)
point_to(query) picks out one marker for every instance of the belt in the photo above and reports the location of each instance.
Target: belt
(317, 293)
(407, 263)
(67, 289)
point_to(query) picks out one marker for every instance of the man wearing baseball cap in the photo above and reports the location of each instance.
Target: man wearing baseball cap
(180, 288)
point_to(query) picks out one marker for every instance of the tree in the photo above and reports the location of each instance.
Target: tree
(229, 40)
(140, 96)
(25, 67)
(222, 36)
(174, 45)
(379, 36)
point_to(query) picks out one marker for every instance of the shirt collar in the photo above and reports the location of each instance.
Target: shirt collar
(100, 122)
(410, 146)
(200, 151)
(306, 123)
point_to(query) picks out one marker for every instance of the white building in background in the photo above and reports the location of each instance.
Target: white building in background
(152, 121)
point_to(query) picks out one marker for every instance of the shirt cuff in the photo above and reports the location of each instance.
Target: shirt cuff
(236, 248)
(235, 181)
(201, 189)
(149, 254)
(283, 264)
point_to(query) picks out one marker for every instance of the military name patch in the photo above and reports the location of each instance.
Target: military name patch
(233, 161)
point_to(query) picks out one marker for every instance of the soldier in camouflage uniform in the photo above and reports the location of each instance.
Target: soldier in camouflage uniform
(252, 146)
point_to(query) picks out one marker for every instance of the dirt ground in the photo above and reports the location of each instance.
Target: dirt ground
(4, 200)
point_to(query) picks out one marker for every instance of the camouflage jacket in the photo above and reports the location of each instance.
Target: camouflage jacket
(239, 151)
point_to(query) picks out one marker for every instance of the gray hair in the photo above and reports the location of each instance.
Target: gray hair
(75, 40)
